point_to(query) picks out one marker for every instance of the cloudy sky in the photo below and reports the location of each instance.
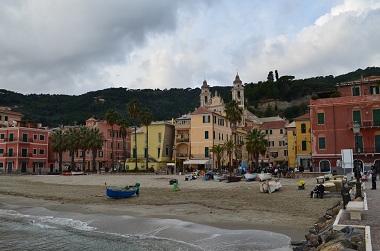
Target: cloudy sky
(76, 46)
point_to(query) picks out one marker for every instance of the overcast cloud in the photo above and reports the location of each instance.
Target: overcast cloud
(76, 46)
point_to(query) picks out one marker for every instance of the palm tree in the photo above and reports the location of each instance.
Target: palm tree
(218, 150)
(111, 118)
(146, 117)
(134, 112)
(96, 139)
(256, 144)
(123, 123)
(234, 114)
(59, 145)
(229, 147)
(84, 143)
(72, 140)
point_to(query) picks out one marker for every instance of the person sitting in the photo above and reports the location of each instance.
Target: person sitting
(318, 191)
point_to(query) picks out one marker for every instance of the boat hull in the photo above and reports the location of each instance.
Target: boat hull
(250, 176)
(264, 176)
(233, 178)
(120, 193)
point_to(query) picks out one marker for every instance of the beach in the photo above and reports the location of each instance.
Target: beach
(237, 205)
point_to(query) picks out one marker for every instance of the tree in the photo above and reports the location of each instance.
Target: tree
(146, 117)
(276, 75)
(84, 143)
(218, 151)
(256, 144)
(270, 77)
(234, 114)
(111, 118)
(59, 145)
(134, 112)
(96, 139)
(229, 147)
(123, 123)
(72, 139)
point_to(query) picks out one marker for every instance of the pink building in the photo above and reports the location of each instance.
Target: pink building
(332, 121)
(24, 148)
(104, 156)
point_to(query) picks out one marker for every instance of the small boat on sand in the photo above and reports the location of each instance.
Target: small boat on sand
(250, 176)
(264, 176)
(234, 178)
(219, 177)
(270, 186)
(126, 192)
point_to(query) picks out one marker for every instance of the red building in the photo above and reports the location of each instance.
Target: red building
(332, 122)
(24, 148)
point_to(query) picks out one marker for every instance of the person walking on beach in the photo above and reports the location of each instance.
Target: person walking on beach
(374, 175)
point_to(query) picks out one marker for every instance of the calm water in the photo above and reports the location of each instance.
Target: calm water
(23, 228)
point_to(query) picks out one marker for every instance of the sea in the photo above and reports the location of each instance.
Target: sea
(37, 228)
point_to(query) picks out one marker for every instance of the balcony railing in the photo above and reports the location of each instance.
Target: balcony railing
(21, 140)
(182, 140)
(367, 124)
(17, 155)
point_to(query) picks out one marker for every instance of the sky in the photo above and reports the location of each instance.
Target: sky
(76, 46)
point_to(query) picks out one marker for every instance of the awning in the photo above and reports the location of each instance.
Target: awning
(197, 161)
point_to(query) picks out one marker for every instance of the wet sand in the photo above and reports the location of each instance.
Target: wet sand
(238, 205)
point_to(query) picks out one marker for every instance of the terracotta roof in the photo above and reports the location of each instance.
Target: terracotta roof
(201, 110)
(306, 116)
(273, 125)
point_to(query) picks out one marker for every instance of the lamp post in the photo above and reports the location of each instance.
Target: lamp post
(175, 159)
(356, 129)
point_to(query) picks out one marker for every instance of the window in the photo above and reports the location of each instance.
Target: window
(24, 152)
(11, 135)
(5, 118)
(167, 151)
(206, 134)
(214, 119)
(1, 150)
(285, 153)
(324, 166)
(10, 152)
(360, 142)
(42, 151)
(206, 152)
(281, 131)
(356, 116)
(2, 136)
(355, 91)
(34, 151)
(304, 145)
(100, 153)
(206, 119)
(24, 137)
(42, 137)
(134, 153)
(35, 136)
(376, 117)
(1, 164)
(303, 128)
(159, 137)
(322, 143)
(374, 90)
(270, 143)
(377, 143)
(268, 131)
(158, 152)
(321, 118)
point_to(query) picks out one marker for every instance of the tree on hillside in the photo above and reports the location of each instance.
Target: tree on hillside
(146, 117)
(111, 118)
(134, 112)
(270, 77)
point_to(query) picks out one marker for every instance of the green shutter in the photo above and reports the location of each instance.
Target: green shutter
(357, 117)
(321, 118)
(322, 143)
(376, 117)
(377, 143)
(304, 145)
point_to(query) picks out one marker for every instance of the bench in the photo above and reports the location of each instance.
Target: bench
(355, 208)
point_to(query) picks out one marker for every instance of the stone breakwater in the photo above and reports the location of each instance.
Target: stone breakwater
(323, 237)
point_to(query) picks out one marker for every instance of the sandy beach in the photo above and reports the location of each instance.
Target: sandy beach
(238, 205)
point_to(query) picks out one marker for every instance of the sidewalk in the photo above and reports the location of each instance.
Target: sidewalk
(370, 217)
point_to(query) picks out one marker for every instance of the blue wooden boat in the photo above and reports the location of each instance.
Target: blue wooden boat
(126, 192)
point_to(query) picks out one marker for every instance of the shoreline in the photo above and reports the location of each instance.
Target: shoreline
(234, 206)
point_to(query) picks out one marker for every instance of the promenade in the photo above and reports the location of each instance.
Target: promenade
(370, 217)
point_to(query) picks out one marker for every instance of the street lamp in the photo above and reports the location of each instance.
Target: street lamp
(356, 130)
(175, 159)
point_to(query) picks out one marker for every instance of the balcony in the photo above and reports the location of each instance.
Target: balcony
(18, 140)
(17, 155)
(366, 124)
(179, 140)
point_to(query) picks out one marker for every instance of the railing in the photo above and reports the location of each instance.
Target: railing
(368, 150)
(22, 140)
(182, 140)
(366, 124)
(17, 155)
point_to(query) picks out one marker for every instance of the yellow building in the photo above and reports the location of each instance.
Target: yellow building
(303, 141)
(207, 128)
(160, 145)
(292, 147)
